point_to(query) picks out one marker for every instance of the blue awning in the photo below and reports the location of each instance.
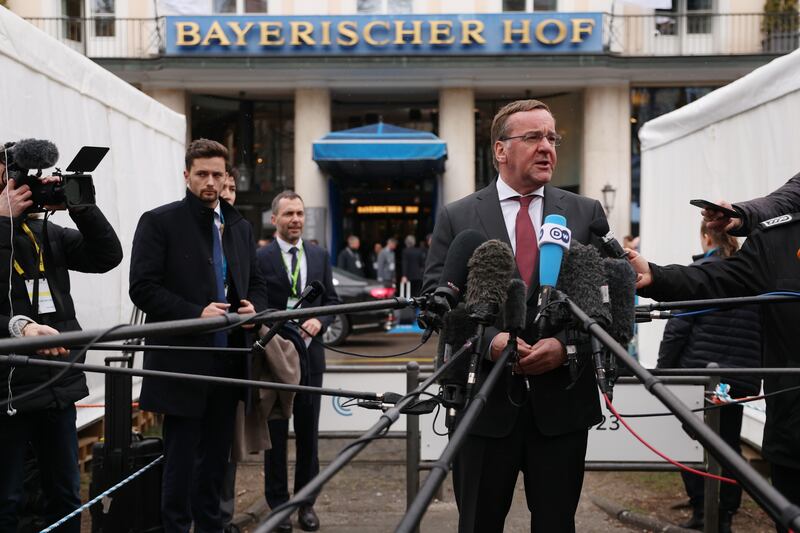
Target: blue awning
(380, 149)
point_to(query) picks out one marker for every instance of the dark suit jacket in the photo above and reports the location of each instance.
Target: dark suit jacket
(172, 278)
(319, 268)
(556, 410)
(413, 262)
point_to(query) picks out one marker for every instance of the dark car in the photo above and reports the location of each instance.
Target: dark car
(352, 288)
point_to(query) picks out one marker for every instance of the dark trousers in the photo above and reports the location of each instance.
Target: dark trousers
(787, 481)
(54, 438)
(730, 496)
(485, 472)
(305, 413)
(196, 451)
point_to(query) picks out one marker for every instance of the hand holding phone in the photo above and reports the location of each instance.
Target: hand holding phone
(705, 204)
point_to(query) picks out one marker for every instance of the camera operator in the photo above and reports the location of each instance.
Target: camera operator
(35, 258)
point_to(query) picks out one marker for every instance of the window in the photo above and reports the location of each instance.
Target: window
(530, 5)
(73, 23)
(366, 7)
(687, 16)
(104, 23)
(240, 6)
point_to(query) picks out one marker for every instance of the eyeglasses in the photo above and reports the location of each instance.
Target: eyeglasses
(535, 137)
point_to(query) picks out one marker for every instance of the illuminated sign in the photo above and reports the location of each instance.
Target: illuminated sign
(387, 209)
(483, 34)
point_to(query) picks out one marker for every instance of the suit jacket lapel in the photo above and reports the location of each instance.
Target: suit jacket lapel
(274, 254)
(491, 215)
(312, 272)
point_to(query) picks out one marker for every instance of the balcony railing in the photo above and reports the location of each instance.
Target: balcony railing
(624, 35)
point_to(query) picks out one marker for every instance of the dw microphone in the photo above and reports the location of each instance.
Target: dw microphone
(554, 238)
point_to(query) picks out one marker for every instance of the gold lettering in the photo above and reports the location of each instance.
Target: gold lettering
(240, 32)
(271, 33)
(580, 27)
(440, 31)
(471, 32)
(400, 33)
(562, 31)
(368, 32)
(301, 31)
(215, 32)
(188, 33)
(509, 32)
(326, 33)
(347, 29)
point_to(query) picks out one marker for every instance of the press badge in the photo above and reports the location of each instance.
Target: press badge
(291, 302)
(46, 303)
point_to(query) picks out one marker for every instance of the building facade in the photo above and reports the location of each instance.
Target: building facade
(269, 78)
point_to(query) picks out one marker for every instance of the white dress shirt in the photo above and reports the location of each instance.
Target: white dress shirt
(510, 206)
(287, 260)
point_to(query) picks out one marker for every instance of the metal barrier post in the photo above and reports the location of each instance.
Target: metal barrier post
(711, 486)
(412, 438)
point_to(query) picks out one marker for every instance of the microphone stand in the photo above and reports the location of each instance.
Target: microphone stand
(719, 302)
(441, 467)
(311, 291)
(773, 502)
(484, 314)
(279, 514)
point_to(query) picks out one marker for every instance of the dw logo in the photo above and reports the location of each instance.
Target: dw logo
(339, 408)
(558, 234)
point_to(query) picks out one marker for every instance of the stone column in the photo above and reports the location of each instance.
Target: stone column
(457, 129)
(607, 150)
(312, 120)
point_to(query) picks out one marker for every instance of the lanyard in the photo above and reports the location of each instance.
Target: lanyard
(30, 235)
(293, 275)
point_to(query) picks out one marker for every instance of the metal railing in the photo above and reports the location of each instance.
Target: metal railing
(679, 34)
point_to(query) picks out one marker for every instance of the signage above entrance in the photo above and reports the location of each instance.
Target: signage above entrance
(364, 35)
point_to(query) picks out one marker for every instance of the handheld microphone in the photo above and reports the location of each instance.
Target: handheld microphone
(554, 238)
(313, 290)
(33, 154)
(611, 246)
(514, 315)
(457, 329)
(490, 271)
(451, 282)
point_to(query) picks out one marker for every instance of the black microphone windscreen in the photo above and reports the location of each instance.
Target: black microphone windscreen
(319, 288)
(454, 271)
(456, 329)
(599, 227)
(35, 154)
(516, 306)
(622, 290)
(490, 271)
(582, 279)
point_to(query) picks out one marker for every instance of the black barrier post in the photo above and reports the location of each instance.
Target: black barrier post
(772, 501)
(712, 486)
(440, 468)
(412, 438)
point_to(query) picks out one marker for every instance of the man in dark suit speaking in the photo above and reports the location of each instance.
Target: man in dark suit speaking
(546, 436)
(195, 258)
(288, 264)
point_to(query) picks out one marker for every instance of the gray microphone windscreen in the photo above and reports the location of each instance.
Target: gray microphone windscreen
(490, 271)
(582, 279)
(622, 290)
(35, 154)
(516, 306)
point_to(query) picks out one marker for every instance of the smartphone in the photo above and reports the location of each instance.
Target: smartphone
(705, 204)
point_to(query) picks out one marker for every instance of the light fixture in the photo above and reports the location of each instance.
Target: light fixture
(609, 195)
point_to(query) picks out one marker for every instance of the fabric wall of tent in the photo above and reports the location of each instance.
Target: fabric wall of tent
(737, 143)
(51, 92)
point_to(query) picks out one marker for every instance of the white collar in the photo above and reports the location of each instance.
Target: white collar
(505, 192)
(286, 246)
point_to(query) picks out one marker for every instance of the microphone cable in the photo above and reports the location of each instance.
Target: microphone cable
(661, 454)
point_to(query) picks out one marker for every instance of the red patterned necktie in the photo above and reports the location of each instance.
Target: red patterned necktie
(526, 243)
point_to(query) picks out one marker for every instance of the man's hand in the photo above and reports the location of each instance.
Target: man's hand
(52, 179)
(717, 221)
(312, 326)
(500, 341)
(214, 309)
(38, 330)
(18, 198)
(246, 308)
(644, 276)
(544, 356)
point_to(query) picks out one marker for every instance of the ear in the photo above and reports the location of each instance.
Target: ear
(186, 177)
(500, 152)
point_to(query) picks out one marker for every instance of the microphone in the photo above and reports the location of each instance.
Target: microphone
(33, 154)
(311, 292)
(514, 315)
(611, 246)
(622, 288)
(554, 238)
(457, 328)
(490, 271)
(451, 282)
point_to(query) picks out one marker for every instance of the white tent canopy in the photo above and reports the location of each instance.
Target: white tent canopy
(50, 92)
(738, 142)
